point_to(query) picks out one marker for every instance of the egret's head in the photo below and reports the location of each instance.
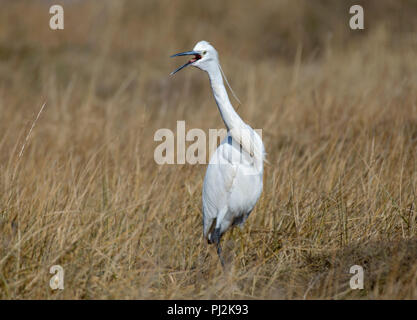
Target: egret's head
(205, 57)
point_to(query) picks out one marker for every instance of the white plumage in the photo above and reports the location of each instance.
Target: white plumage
(233, 180)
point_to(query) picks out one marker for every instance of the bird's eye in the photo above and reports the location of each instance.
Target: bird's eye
(204, 52)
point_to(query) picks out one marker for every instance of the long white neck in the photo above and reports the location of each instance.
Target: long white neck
(240, 132)
(229, 115)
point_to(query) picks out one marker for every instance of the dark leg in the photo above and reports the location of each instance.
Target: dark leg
(216, 239)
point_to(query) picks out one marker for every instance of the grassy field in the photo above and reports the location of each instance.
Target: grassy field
(79, 186)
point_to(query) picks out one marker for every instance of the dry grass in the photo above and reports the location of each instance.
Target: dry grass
(339, 114)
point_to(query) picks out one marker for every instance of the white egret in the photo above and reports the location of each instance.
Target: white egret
(233, 180)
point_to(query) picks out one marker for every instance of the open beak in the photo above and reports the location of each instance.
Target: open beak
(196, 55)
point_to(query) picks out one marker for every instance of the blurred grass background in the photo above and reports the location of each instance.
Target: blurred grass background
(338, 109)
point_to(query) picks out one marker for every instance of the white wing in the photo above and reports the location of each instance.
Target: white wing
(229, 192)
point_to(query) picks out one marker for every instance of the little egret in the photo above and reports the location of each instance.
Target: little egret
(233, 180)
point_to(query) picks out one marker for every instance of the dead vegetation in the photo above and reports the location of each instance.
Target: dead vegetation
(338, 111)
